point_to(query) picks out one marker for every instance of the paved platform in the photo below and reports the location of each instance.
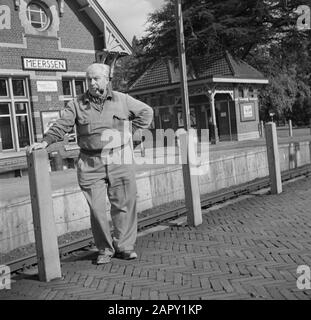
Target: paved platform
(249, 249)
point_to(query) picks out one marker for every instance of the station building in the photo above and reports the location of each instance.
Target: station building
(223, 96)
(45, 48)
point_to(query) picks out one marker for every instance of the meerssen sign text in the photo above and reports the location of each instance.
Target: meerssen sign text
(44, 64)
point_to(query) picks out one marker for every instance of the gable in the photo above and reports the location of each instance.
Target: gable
(113, 40)
(79, 24)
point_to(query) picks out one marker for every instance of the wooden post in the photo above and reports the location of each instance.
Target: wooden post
(43, 217)
(215, 138)
(56, 161)
(0, 142)
(273, 158)
(262, 129)
(290, 128)
(292, 156)
(191, 181)
(142, 145)
(297, 154)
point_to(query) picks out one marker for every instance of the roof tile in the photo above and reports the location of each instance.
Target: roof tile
(219, 65)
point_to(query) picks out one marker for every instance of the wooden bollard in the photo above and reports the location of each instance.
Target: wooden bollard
(290, 126)
(262, 129)
(292, 156)
(43, 216)
(191, 180)
(142, 145)
(56, 161)
(273, 158)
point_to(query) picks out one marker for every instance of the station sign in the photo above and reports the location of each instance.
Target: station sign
(44, 64)
(247, 110)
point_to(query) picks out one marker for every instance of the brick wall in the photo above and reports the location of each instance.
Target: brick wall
(77, 31)
(13, 35)
(246, 129)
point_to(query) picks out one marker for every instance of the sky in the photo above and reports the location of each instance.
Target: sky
(130, 16)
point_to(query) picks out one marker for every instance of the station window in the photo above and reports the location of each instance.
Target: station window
(38, 15)
(3, 88)
(15, 125)
(251, 92)
(18, 87)
(71, 89)
(6, 127)
(79, 87)
(67, 88)
(241, 92)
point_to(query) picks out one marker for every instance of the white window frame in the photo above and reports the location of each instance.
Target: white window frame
(24, 85)
(9, 115)
(73, 95)
(7, 88)
(42, 10)
(11, 100)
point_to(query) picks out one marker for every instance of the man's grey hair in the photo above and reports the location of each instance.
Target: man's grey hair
(103, 67)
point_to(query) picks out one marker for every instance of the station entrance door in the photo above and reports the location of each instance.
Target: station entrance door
(225, 117)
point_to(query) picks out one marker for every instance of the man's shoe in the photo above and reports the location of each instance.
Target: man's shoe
(126, 255)
(103, 258)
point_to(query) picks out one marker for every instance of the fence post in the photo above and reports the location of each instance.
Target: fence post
(273, 158)
(292, 156)
(142, 146)
(43, 216)
(56, 161)
(191, 180)
(290, 128)
(262, 129)
(0, 142)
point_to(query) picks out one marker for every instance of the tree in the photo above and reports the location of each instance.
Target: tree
(287, 65)
(301, 111)
(238, 26)
(128, 68)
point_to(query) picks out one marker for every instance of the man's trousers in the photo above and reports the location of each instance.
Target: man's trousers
(95, 178)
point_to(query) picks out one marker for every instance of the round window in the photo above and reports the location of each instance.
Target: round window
(38, 15)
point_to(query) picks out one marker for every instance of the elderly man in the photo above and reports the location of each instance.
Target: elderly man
(98, 114)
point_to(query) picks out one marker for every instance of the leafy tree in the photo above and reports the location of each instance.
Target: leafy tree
(238, 26)
(128, 68)
(301, 111)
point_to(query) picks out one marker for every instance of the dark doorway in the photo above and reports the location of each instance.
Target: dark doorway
(166, 118)
(225, 117)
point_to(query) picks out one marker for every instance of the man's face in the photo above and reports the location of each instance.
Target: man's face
(97, 79)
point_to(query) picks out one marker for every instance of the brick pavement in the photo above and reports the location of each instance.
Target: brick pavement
(247, 250)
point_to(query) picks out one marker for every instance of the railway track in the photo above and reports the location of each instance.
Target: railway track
(155, 219)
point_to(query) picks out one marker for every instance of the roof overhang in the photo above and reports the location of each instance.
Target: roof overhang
(239, 80)
(113, 40)
(175, 85)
